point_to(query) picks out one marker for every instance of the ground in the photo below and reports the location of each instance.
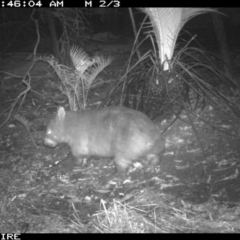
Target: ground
(198, 173)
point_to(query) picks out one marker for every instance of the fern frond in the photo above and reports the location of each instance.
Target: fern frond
(98, 66)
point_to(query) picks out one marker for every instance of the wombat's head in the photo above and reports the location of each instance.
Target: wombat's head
(55, 129)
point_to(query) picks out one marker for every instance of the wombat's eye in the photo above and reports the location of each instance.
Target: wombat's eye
(49, 132)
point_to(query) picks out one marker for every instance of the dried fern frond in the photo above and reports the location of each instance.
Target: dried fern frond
(166, 25)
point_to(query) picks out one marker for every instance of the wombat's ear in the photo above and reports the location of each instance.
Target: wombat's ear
(61, 113)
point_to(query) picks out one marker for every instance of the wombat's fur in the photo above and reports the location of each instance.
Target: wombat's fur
(122, 133)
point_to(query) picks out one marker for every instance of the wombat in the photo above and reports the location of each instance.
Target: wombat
(121, 133)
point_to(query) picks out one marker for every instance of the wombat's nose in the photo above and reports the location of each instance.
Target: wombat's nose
(49, 142)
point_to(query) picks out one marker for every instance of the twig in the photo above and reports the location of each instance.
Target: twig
(26, 79)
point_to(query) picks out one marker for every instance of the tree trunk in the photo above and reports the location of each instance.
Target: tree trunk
(53, 33)
(222, 43)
